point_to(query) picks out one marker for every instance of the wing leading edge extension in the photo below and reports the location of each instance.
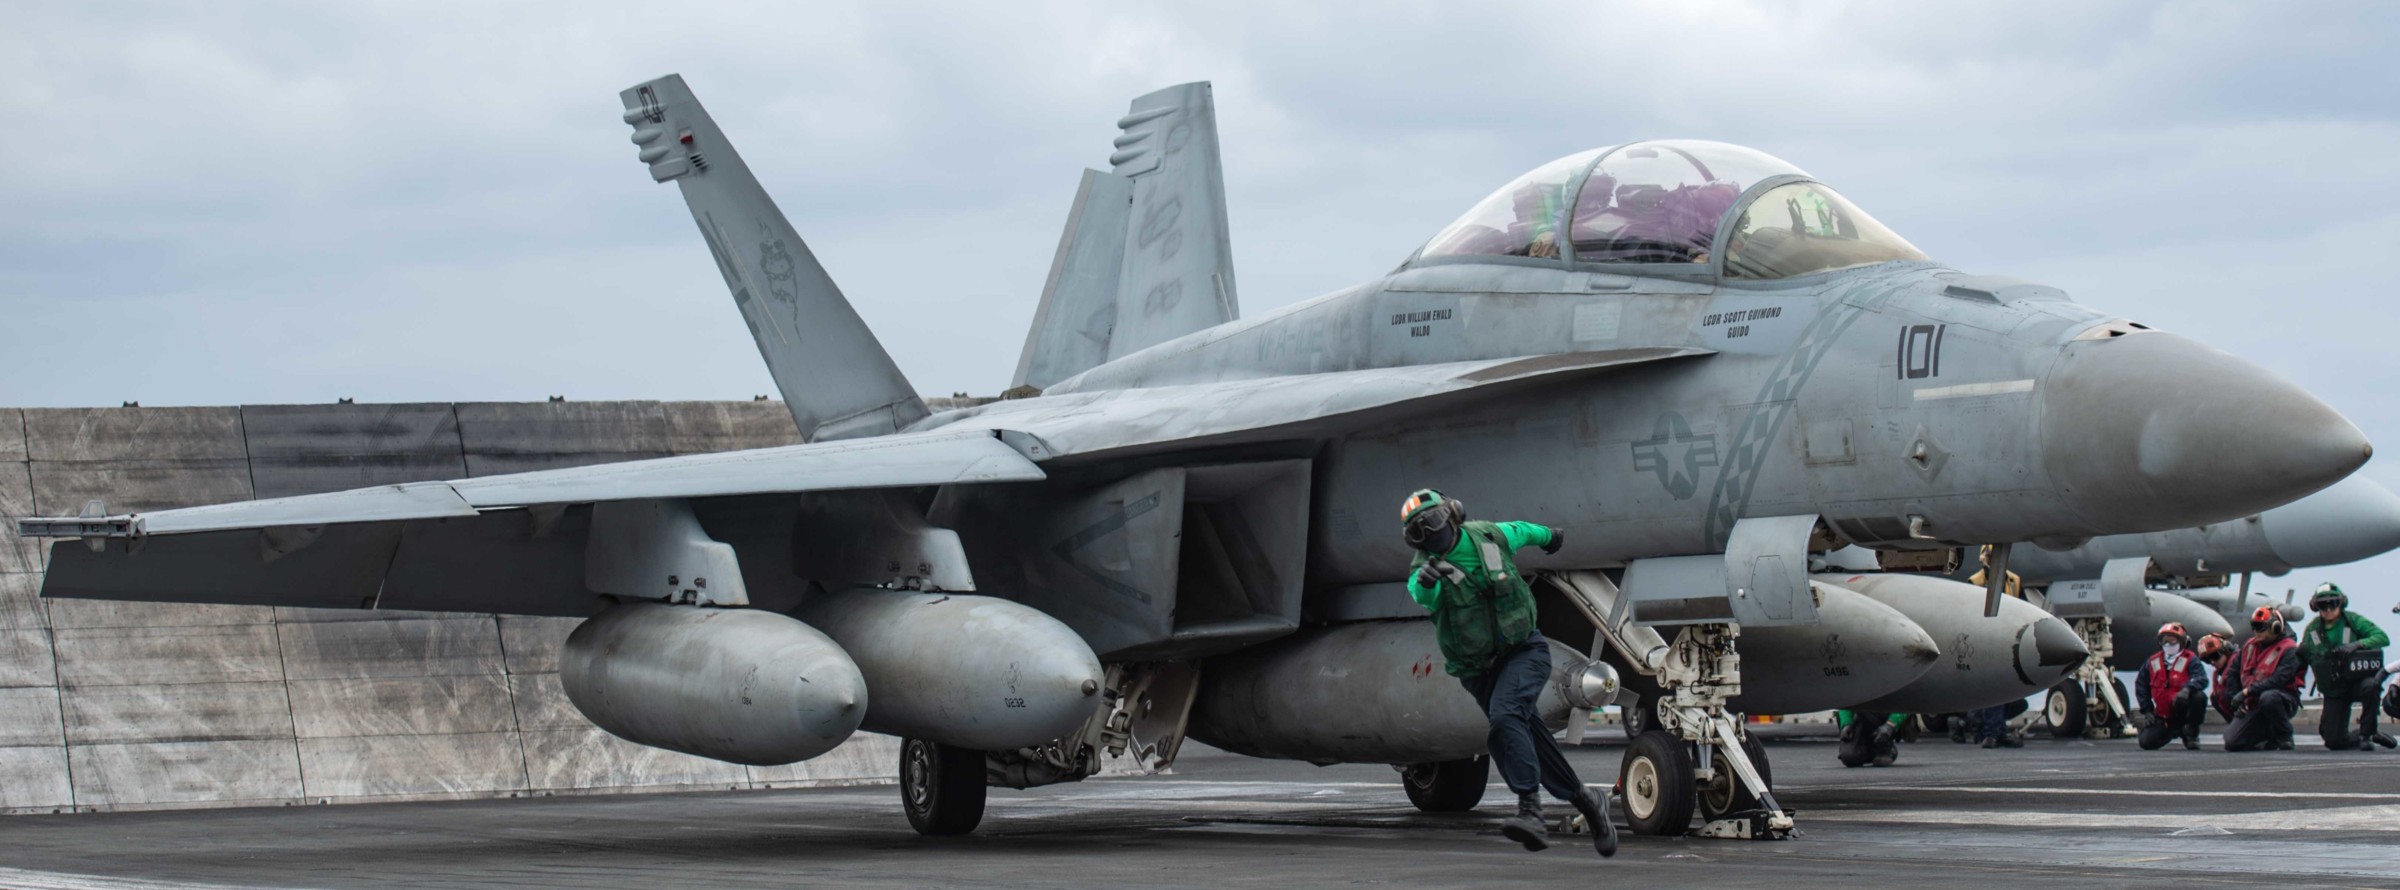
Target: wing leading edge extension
(1112, 423)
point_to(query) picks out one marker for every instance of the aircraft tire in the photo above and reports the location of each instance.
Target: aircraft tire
(941, 787)
(1725, 793)
(2065, 710)
(1449, 786)
(2114, 724)
(1656, 778)
(1639, 716)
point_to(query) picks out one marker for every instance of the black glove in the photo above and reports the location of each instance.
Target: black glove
(1556, 538)
(1428, 576)
(2347, 648)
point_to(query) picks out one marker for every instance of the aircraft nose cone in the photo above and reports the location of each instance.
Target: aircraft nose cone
(2057, 645)
(2151, 431)
(2354, 519)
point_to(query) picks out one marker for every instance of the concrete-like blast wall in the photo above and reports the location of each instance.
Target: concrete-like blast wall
(112, 706)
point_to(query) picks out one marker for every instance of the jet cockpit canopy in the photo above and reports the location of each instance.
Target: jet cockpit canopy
(1665, 203)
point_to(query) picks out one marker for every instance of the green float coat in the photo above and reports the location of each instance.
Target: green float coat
(1491, 608)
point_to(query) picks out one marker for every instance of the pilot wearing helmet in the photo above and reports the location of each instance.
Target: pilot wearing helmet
(2264, 686)
(2345, 652)
(1465, 573)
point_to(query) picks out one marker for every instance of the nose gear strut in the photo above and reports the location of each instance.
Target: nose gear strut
(1696, 674)
(1701, 672)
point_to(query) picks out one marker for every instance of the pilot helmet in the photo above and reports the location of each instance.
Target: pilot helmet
(2328, 595)
(1429, 522)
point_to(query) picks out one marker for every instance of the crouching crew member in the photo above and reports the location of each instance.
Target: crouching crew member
(1869, 738)
(2268, 672)
(2221, 656)
(2345, 652)
(2173, 690)
(1465, 573)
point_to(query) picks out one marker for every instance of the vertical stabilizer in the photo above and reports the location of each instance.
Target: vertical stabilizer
(1078, 313)
(835, 377)
(1145, 257)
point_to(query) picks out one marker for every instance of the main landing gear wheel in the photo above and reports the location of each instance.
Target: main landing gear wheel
(1449, 786)
(941, 787)
(1657, 780)
(1724, 794)
(2064, 709)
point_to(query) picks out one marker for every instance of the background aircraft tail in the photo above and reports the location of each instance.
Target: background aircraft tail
(836, 378)
(1145, 257)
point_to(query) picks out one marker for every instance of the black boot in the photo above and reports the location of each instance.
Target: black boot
(2384, 740)
(1887, 747)
(1594, 807)
(1526, 826)
(2191, 737)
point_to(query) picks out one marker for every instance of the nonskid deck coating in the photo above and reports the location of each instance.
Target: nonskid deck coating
(2097, 813)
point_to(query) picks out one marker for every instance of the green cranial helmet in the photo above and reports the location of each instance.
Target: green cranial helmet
(2327, 594)
(1429, 521)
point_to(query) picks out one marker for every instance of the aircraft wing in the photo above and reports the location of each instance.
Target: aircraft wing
(551, 542)
(512, 544)
(936, 458)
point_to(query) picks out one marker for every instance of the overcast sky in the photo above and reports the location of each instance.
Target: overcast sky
(248, 202)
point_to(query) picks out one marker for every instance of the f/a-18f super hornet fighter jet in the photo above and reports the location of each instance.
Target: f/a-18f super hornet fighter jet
(1699, 362)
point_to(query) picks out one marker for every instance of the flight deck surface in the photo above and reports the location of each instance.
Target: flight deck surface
(2094, 813)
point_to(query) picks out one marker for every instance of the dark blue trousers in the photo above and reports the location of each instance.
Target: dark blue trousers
(1991, 722)
(1521, 746)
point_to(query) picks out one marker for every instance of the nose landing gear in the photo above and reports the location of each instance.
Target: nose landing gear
(2091, 703)
(1699, 755)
